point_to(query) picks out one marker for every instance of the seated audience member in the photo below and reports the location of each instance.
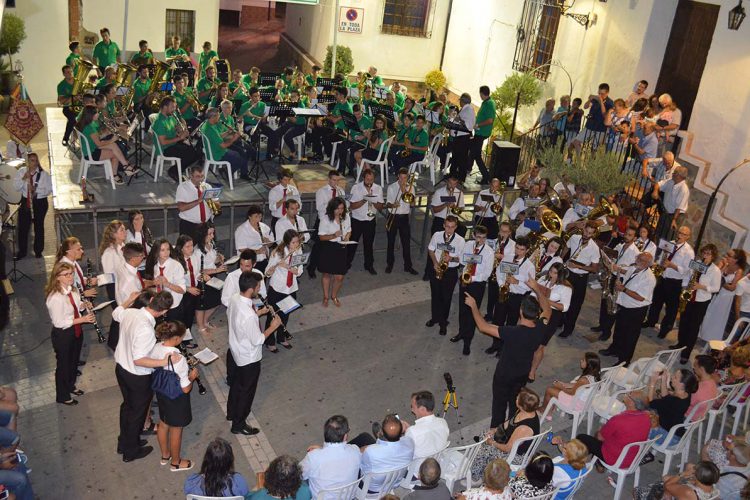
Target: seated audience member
(431, 487)
(283, 479)
(217, 477)
(704, 367)
(494, 484)
(429, 433)
(671, 407)
(571, 467)
(697, 481)
(535, 479)
(334, 464)
(8, 408)
(13, 474)
(568, 395)
(389, 452)
(630, 426)
(524, 424)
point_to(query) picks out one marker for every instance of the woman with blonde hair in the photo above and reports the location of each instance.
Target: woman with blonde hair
(571, 467)
(282, 283)
(495, 478)
(110, 250)
(64, 307)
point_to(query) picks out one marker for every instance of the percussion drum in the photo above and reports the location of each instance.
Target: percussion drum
(181, 67)
(223, 70)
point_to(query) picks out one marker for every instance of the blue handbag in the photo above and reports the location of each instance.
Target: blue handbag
(166, 382)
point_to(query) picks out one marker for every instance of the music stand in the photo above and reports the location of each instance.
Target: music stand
(458, 127)
(383, 109)
(267, 96)
(268, 79)
(282, 110)
(326, 99)
(136, 131)
(324, 84)
(307, 114)
(14, 275)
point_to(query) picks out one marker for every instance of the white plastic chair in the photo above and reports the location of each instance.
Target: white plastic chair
(577, 414)
(463, 471)
(87, 161)
(157, 156)
(199, 497)
(740, 407)
(381, 161)
(639, 371)
(333, 154)
(740, 330)
(391, 480)
(413, 471)
(534, 442)
(731, 393)
(572, 488)
(430, 159)
(701, 408)
(682, 447)
(345, 492)
(211, 164)
(546, 496)
(642, 448)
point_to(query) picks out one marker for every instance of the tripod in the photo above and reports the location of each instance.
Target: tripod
(450, 400)
(15, 275)
(139, 152)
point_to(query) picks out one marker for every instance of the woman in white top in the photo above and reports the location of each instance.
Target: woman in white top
(335, 228)
(212, 263)
(173, 413)
(185, 255)
(254, 235)
(732, 268)
(64, 307)
(110, 249)
(138, 232)
(550, 255)
(282, 282)
(644, 242)
(568, 394)
(168, 275)
(559, 291)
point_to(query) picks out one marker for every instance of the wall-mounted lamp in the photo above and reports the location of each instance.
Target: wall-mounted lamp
(736, 16)
(582, 19)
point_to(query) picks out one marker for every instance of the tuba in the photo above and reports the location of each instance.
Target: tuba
(604, 208)
(160, 72)
(80, 83)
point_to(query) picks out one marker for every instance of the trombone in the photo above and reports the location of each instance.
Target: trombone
(405, 196)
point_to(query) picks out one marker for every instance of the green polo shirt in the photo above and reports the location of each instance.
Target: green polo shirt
(256, 109)
(204, 58)
(181, 99)
(365, 123)
(303, 103)
(402, 131)
(419, 138)
(111, 108)
(377, 81)
(240, 95)
(486, 111)
(227, 120)
(247, 80)
(166, 126)
(400, 98)
(310, 80)
(203, 85)
(64, 89)
(137, 59)
(171, 52)
(140, 89)
(397, 108)
(89, 131)
(213, 135)
(336, 111)
(106, 54)
(72, 61)
(101, 82)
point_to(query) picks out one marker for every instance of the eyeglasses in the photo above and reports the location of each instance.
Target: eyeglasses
(70, 273)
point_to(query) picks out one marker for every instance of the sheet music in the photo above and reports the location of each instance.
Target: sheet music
(215, 283)
(102, 306)
(206, 356)
(288, 305)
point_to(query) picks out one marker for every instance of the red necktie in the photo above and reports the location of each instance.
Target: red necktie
(140, 278)
(80, 276)
(161, 273)
(283, 205)
(333, 195)
(289, 273)
(192, 275)
(77, 328)
(201, 206)
(474, 269)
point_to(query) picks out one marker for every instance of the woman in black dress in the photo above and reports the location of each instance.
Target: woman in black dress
(335, 229)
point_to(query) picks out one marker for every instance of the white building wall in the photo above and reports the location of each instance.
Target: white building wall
(238, 4)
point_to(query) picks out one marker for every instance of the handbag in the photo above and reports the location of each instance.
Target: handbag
(502, 436)
(166, 382)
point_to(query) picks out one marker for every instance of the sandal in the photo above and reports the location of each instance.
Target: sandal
(77, 392)
(119, 180)
(273, 349)
(286, 345)
(337, 302)
(165, 460)
(129, 170)
(150, 430)
(325, 301)
(70, 402)
(177, 468)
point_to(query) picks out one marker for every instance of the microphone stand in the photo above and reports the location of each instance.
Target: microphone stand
(15, 275)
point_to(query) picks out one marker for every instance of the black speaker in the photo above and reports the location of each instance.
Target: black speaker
(505, 157)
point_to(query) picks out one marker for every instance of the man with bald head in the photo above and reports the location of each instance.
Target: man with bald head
(676, 196)
(430, 487)
(390, 451)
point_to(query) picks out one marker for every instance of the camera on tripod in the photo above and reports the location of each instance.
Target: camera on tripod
(449, 382)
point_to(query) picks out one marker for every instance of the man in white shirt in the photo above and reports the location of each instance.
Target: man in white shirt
(246, 344)
(667, 293)
(134, 366)
(504, 246)
(323, 195)
(477, 274)
(483, 214)
(334, 464)
(461, 140)
(742, 298)
(291, 221)
(390, 451)
(281, 192)
(192, 209)
(35, 186)
(583, 259)
(247, 237)
(396, 205)
(128, 280)
(634, 294)
(676, 197)
(441, 207)
(429, 433)
(656, 170)
(445, 248)
(366, 198)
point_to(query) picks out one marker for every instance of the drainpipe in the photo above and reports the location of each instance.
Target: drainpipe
(445, 37)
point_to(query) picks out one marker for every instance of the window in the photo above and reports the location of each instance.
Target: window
(406, 17)
(535, 37)
(182, 24)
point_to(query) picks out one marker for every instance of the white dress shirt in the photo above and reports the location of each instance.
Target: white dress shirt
(647, 246)
(384, 456)
(443, 191)
(42, 183)
(469, 117)
(483, 269)
(676, 196)
(232, 285)
(480, 204)
(323, 196)
(394, 193)
(743, 291)
(683, 255)
(245, 336)
(559, 294)
(210, 256)
(284, 224)
(112, 259)
(245, 236)
(137, 237)
(175, 274)
(79, 277)
(359, 193)
(570, 216)
(333, 465)
(517, 207)
(278, 278)
(508, 249)
(585, 254)
(278, 193)
(137, 338)
(186, 193)
(626, 256)
(126, 282)
(181, 368)
(642, 283)
(526, 271)
(550, 261)
(457, 242)
(61, 310)
(711, 279)
(328, 227)
(430, 435)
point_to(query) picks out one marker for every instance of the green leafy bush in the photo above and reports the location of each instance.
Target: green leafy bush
(344, 60)
(598, 170)
(12, 35)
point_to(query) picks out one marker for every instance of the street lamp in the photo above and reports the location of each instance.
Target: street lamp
(736, 16)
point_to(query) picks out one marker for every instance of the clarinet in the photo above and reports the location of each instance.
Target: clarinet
(272, 312)
(192, 362)
(99, 335)
(201, 283)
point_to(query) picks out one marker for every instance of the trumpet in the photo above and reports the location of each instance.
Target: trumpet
(99, 335)
(192, 362)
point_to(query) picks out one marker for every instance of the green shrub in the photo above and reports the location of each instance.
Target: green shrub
(344, 60)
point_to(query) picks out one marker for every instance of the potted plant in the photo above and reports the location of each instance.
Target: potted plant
(12, 34)
(344, 60)
(435, 80)
(505, 97)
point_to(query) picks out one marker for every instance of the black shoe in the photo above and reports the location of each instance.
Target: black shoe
(674, 346)
(411, 270)
(443, 330)
(81, 363)
(662, 335)
(646, 324)
(425, 277)
(70, 402)
(456, 338)
(38, 255)
(491, 350)
(245, 430)
(431, 323)
(606, 352)
(604, 337)
(141, 442)
(372, 271)
(596, 328)
(564, 335)
(388, 269)
(19, 256)
(78, 373)
(647, 458)
(684, 361)
(143, 451)
(65, 142)
(466, 351)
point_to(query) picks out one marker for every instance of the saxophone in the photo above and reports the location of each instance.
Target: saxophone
(687, 294)
(443, 265)
(466, 276)
(504, 291)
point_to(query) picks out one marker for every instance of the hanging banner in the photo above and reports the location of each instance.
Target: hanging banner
(23, 121)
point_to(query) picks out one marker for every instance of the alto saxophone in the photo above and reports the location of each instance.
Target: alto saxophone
(687, 294)
(468, 273)
(443, 265)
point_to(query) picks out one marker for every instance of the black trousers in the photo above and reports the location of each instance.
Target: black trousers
(63, 342)
(366, 231)
(438, 224)
(114, 327)
(627, 331)
(493, 291)
(288, 131)
(345, 152)
(189, 304)
(274, 298)
(328, 137)
(667, 295)
(441, 294)
(187, 155)
(400, 226)
(189, 228)
(312, 261)
(505, 389)
(231, 367)
(24, 225)
(136, 398)
(77, 348)
(690, 325)
(466, 324)
(460, 161)
(475, 155)
(71, 116)
(507, 314)
(242, 393)
(593, 444)
(579, 282)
